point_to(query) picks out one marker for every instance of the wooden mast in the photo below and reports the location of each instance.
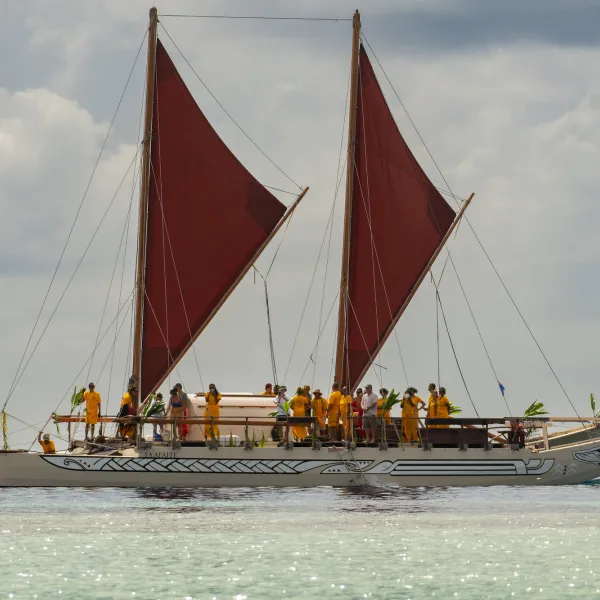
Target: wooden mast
(345, 276)
(144, 194)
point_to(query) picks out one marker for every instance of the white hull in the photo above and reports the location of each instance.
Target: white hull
(303, 467)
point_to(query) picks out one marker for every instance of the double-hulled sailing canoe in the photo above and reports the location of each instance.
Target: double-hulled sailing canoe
(190, 177)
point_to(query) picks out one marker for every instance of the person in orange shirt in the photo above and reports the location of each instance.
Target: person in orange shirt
(345, 412)
(333, 412)
(92, 409)
(268, 390)
(47, 444)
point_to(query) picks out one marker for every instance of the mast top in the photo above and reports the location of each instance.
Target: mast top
(154, 13)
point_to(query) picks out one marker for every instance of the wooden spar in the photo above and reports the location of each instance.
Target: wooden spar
(345, 275)
(144, 194)
(415, 288)
(239, 278)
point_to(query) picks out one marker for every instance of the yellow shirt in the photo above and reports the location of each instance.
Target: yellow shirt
(319, 407)
(48, 446)
(334, 403)
(92, 401)
(345, 402)
(126, 399)
(265, 393)
(298, 405)
(443, 407)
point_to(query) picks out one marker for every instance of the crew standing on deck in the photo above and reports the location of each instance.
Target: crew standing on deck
(299, 404)
(443, 407)
(319, 410)
(92, 409)
(345, 412)
(411, 403)
(126, 410)
(212, 411)
(46, 443)
(333, 412)
(369, 420)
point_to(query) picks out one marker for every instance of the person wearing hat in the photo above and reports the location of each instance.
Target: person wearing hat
(268, 390)
(333, 412)
(299, 404)
(92, 409)
(282, 405)
(47, 444)
(319, 410)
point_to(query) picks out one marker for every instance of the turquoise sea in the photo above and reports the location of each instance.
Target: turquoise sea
(323, 543)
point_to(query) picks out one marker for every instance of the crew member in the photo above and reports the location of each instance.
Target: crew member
(92, 409)
(345, 411)
(299, 404)
(268, 390)
(443, 407)
(333, 412)
(411, 403)
(46, 443)
(319, 410)
(212, 411)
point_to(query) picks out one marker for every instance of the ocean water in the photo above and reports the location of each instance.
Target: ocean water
(323, 543)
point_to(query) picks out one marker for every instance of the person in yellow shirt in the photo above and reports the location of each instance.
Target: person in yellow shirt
(268, 390)
(333, 412)
(92, 409)
(319, 410)
(443, 407)
(345, 412)
(47, 444)
(432, 406)
(299, 404)
(411, 403)
(387, 417)
(212, 410)
(125, 410)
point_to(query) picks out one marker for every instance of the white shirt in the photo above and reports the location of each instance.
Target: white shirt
(279, 402)
(369, 404)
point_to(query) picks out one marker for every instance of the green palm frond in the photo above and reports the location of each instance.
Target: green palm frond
(230, 439)
(390, 401)
(153, 408)
(535, 409)
(262, 439)
(593, 405)
(76, 398)
(272, 414)
(455, 410)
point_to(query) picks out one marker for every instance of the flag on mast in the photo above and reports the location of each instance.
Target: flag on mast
(501, 388)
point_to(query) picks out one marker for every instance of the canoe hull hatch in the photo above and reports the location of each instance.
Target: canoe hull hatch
(303, 467)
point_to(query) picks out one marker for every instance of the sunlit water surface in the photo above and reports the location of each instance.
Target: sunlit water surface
(295, 543)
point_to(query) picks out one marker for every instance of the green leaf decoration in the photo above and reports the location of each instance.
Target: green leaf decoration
(262, 439)
(535, 409)
(593, 405)
(272, 414)
(153, 408)
(77, 398)
(230, 439)
(455, 410)
(393, 399)
(254, 442)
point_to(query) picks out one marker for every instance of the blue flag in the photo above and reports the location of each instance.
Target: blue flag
(501, 388)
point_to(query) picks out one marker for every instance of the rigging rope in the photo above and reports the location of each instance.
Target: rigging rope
(92, 238)
(62, 254)
(455, 356)
(533, 337)
(227, 113)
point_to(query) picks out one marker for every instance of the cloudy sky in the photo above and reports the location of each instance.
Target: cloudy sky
(506, 95)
